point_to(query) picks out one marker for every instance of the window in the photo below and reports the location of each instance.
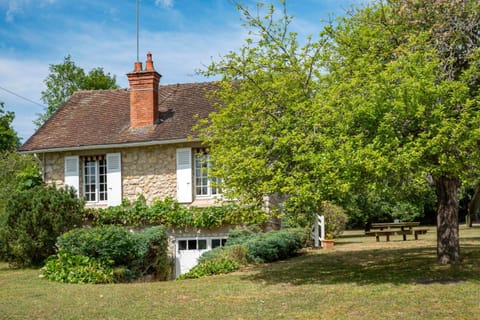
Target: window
(192, 244)
(204, 184)
(95, 179)
(218, 242)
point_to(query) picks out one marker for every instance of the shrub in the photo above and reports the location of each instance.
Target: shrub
(33, 220)
(131, 255)
(236, 253)
(275, 245)
(335, 218)
(67, 268)
(109, 243)
(211, 267)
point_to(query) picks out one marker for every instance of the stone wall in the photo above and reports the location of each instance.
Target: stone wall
(149, 170)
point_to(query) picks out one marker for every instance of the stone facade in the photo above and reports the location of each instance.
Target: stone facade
(147, 170)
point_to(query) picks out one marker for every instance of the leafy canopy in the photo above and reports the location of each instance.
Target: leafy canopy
(66, 78)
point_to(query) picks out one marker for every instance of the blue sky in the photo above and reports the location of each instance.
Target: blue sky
(183, 36)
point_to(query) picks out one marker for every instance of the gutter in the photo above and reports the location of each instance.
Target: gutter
(111, 146)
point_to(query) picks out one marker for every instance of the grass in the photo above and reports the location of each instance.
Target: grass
(358, 279)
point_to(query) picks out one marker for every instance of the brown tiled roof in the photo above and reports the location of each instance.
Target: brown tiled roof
(102, 117)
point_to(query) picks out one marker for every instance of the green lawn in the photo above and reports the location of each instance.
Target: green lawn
(358, 279)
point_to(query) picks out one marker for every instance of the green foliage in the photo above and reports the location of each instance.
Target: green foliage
(110, 243)
(263, 135)
(245, 245)
(17, 172)
(67, 268)
(32, 221)
(275, 245)
(66, 78)
(211, 267)
(233, 252)
(9, 140)
(335, 218)
(130, 255)
(169, 212)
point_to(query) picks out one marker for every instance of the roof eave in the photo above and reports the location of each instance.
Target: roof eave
(112, 146)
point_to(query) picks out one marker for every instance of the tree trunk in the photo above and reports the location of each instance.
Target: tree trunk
(448, 243)
(474, 206)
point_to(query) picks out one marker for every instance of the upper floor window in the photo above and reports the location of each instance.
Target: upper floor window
(205, 185)
(95, 179)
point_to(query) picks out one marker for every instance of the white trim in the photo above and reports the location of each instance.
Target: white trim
(71, 172)
(184, 175)
(111, 146)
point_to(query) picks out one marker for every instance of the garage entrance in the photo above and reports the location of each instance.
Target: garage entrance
(188, 250)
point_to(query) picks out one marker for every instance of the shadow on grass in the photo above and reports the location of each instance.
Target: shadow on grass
(377, 266)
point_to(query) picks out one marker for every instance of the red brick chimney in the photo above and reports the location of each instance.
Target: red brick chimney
(143, 94)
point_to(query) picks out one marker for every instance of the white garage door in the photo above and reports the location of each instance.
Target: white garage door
(190, 249)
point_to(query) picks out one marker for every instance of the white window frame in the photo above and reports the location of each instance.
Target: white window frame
(97, 181)
(201, 166)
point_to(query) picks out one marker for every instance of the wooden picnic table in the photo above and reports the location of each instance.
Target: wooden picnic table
(391, 228)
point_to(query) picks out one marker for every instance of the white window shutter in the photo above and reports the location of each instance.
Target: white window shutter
(72, 178)
(184, 175)
(114, 179)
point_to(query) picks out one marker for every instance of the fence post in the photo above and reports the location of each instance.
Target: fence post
(318, 230)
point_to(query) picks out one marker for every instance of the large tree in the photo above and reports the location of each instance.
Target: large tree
(262, 138)
(66, 78)
(403, 82)
(384, 104)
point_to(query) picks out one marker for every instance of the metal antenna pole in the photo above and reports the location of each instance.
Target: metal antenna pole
(138, 28)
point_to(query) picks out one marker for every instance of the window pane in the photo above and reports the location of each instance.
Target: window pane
(192, 244)
(182, 245)
(202, 244)
(215, 243)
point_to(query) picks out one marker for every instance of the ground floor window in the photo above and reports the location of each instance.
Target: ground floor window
(95, 179)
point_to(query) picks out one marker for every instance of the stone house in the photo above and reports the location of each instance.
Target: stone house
(116, 144)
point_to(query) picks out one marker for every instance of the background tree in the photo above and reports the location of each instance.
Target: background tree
(9, 140)
(403, 91)
(66, 78)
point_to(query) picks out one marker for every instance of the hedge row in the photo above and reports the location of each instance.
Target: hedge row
(170, 213)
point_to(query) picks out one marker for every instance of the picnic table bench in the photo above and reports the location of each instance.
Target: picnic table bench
(388, 229)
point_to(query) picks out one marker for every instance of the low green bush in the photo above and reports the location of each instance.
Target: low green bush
(275, 245)
(68, 268)
(111, 243)
(236, 253)
(211, 267)
(131, 255)
(32, 221)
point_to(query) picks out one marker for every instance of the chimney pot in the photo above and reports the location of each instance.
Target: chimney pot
(137, 67)
(149, 63)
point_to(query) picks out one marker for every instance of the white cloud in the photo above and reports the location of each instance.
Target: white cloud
(165, 3)
(16, 7)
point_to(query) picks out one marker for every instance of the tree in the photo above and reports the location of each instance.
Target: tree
(262, 138)
(66, 78)
(403, 91)
(9, 140)
(383, 105)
